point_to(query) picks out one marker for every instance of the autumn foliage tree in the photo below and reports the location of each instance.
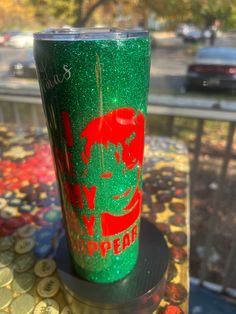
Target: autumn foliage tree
(127, 13)
(201, 12)
(51, 13)
(85, 10)
(208, 11)
(16, 14)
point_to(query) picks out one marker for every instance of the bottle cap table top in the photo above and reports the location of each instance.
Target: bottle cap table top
(29, 177)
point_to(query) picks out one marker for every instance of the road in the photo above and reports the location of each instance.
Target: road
(168, 64)
(7, 55)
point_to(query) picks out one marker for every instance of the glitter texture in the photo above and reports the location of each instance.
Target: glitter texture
(94, 94)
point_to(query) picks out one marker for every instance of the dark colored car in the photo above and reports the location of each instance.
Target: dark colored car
(25, 66)
(193, 36)
(215, 67)
(196, 35)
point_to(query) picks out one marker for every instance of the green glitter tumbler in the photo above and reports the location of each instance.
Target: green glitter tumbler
(94, 85)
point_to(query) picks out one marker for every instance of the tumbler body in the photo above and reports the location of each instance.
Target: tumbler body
(94, 87)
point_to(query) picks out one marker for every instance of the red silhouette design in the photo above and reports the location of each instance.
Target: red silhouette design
(123, 126)
(115, 224)
(120, 126)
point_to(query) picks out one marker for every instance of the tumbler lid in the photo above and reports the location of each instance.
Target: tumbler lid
(71, 33)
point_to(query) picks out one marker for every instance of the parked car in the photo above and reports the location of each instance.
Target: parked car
(21, 40)
(214, 67)
(5, 36)
(183, 29)
(24, 66)
(195, 35)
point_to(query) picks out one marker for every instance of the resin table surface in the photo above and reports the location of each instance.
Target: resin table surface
(31, 220)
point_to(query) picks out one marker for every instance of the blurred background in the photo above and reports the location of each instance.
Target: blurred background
(192, 98)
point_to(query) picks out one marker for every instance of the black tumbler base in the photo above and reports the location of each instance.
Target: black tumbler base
(138, 293)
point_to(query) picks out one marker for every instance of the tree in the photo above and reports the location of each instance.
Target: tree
(209, 11)
(174, 11)
(122, 13)
(127, 13)
(85, 10)
(81, 13)
(15, 14)
(70, 12)
(202, 12)
(51, 13)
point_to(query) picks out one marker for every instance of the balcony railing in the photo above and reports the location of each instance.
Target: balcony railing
(220, 111)
(26, 110)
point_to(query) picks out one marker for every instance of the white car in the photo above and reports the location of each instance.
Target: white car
(183, 29)
(22, 40)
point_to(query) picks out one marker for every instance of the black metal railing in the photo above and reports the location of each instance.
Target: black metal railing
(221, 111)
